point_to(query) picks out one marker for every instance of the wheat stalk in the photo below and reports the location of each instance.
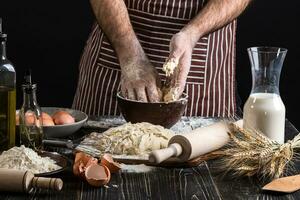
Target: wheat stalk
(252, 153)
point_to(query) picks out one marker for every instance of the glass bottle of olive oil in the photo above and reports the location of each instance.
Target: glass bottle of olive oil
(7, 97)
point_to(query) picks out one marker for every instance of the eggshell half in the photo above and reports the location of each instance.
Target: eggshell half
(81, 162)
(97, 175)
(108, 161)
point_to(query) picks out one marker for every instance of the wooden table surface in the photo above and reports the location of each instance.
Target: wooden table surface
(202, 182)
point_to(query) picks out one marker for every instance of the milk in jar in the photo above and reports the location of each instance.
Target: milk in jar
(264, 111)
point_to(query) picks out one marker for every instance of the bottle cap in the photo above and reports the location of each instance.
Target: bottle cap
(27, 85)
(27, 77)
(0, 25)
(2, 35)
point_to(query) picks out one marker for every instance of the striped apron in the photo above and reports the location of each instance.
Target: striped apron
(210, 82)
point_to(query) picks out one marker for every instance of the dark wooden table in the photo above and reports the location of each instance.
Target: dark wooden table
(202, 182)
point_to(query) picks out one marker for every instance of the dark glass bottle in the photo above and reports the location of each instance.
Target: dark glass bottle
(7, 97)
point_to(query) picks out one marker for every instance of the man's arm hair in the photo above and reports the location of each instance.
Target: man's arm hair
(214, 15)
(113, 18)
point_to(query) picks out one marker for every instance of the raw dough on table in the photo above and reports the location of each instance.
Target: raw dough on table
(130, 139)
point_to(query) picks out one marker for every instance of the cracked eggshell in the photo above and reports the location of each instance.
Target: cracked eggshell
(97, 175)
(108, 161)
(81, 162)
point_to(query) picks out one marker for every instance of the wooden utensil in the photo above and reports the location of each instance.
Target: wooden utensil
(194, 144)
(23, 181)
(171, 162)
(286, 184)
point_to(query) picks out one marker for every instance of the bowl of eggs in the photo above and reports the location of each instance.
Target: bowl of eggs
(58, 122)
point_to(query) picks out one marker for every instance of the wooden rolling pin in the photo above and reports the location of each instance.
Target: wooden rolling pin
(191, 145)
(23, 181)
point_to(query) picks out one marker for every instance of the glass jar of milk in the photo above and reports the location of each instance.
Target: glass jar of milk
(264, 110)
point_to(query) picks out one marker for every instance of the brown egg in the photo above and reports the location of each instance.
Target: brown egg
(29, 118)
(17, 119)
(108, 161)
(97, 175)
(48, 122)
(46, 116)
(62, 117)
(47, 119)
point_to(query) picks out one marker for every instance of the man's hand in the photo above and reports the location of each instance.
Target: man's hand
(140, 81)
(214, 15)
(181, 47)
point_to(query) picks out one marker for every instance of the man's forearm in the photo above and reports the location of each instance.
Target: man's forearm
(214, 15)
(113, 19)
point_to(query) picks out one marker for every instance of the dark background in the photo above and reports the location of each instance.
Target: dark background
(49, 36)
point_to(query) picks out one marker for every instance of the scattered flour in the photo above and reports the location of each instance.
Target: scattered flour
(22, 158)
(136, 168)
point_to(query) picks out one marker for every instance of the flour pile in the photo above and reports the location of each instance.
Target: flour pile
(22, 158)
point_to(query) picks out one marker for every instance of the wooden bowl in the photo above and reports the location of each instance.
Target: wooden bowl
(164, 114)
